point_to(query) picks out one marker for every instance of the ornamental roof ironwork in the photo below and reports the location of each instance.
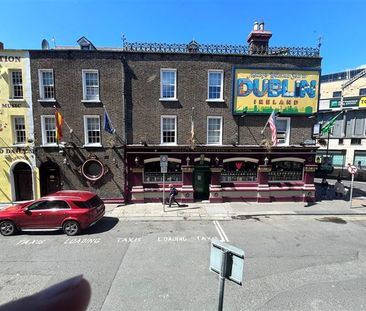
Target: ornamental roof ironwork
(219, 49)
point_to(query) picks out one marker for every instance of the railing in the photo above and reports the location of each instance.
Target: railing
(238, 176)
(285, 176)
(223, 49)
(158, 177)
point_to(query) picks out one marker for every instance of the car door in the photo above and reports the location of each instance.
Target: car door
(33, 216)
(55, 213)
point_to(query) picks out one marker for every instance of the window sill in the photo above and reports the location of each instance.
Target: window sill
(18, 145)
(168, 99)
(16, 99)
(44, 100)
(168, 144)
(215, 100)
(93, 146)
(91, 101)
(49, 146)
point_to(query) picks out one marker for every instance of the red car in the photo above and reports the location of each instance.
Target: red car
(69, 210)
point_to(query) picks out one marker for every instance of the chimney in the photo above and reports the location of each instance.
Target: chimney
(1, 46)
(258, 39)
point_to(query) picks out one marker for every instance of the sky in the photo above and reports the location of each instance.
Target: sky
(340, 24)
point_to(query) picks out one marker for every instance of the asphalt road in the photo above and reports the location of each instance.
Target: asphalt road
(292, 263)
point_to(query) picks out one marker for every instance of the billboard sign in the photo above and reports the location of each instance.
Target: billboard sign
(259, 91)
(356, 101)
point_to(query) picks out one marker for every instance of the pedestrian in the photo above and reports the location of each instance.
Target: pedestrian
(324, 187)
(172, 193)
(339, 188)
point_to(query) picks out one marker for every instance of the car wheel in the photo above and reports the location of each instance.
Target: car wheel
(7, 227)
(71, 227)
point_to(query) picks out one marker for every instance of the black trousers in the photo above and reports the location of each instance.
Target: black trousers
(172, 199)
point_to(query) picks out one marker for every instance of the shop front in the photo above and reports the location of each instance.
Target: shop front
(222, 174)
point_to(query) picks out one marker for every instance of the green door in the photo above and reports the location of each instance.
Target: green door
(201, 182)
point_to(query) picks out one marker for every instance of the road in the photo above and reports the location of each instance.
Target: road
(294, 262)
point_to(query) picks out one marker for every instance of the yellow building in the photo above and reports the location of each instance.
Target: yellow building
(18, 171)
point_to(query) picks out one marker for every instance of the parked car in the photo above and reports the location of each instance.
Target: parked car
(69, 210)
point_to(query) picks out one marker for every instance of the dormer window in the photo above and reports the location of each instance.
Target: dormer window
(85, 44)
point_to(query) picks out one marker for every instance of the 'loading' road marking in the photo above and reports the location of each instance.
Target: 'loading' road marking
(221, 232)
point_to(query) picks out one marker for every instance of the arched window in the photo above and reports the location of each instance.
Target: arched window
(237, 171)
(152, 172)
(286, 171)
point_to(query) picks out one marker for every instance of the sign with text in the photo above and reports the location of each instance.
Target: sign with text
(357, 101)
(259, 91)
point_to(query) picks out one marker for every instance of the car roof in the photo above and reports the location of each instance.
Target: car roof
(70, 195)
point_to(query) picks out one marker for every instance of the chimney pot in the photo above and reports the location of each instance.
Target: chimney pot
(1, 46)
(255, 25)
(261, 26)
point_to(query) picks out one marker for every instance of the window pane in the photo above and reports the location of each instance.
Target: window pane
(47, 85)
(168, 128)
(19, 127)
(214, 85)
(91, 85)
(17, 84)
(168, 84)
(50, 129)
(93, 130)
(213, 131)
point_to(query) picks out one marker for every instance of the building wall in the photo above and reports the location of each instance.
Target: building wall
(143, 82)
(10, 152)
(67, 67)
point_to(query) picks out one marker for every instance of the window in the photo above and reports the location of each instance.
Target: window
(215, 85)
(283, 131)
(168, 129)
(360, 159)
(49, 205)
(46, 84)
(286, 171)
(338, 157)
(48, 124)
(92, 130)
(337, 94)
(152, 172)
(90, 85)
(362, 92)
(19, 130)
(168, 84)
(355, 141)
(214, 130)
(239, 171)
(16, 84)
(340, 141)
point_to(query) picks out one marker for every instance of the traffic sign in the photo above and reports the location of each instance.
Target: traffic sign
(163, 161)
(352, 169)
(164, 169)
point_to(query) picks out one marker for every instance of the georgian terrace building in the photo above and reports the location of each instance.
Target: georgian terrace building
(202, 106)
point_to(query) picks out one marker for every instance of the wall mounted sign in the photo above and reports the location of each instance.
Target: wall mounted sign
(356, 101)
(93, 170)
(259, 91)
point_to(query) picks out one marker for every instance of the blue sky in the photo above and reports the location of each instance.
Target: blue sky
(340, 23)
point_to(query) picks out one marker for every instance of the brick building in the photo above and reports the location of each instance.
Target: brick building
(203, 106)
(184, 101)
(81, 84)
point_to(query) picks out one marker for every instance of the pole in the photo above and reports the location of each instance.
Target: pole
(164, 192)
(351, 192)
(222, 280)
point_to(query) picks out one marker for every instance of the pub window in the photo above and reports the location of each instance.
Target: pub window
(152, 172)
(168, 84)
(48, 124)
(16, 84)
(90, 85)
(337, 94)
(19, 130)
(46, 84)
(239, 171)
(168, 130)
(92, 131)
(215, 85)
(286, 171)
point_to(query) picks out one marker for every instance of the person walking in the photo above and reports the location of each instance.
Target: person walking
(172, 193)
(339, 188)
(324, 188)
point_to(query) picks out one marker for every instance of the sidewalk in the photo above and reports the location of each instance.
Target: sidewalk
(234, 210)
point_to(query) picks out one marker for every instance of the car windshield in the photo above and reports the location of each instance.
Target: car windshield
(91, 203)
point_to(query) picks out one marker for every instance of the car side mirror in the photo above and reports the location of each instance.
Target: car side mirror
(26, 210)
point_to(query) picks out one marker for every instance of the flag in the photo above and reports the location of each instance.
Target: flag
(272, 124)
(326, 128)
(107, 123)
(59, 122)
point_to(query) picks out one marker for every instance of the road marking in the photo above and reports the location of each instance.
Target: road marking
(129, 240)
(172, 239)
(82, 241)
(221, 232)
(30, 242)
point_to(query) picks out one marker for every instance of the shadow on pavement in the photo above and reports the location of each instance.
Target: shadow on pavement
(105, 224)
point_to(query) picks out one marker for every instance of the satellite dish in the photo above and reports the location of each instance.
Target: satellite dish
(45, 45)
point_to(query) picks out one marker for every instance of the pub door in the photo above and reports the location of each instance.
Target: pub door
(201, 182)
(49, 177)
(23, 182)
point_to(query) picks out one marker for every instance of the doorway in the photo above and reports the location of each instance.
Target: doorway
(23, 182)
(201, 182)
(49, 178)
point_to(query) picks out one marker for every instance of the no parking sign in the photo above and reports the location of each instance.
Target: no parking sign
(352, 169)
